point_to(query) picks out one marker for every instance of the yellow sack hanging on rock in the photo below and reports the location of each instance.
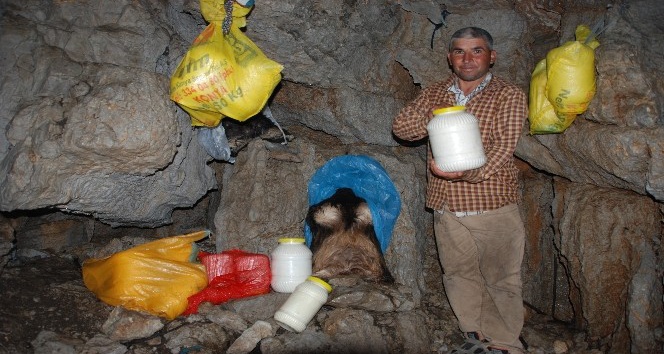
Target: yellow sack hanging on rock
(563, 84)
(571, 73)
(543, 118)
(156, 277)
(223, 75)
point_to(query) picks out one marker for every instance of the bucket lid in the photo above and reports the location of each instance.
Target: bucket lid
(291, 240)
(320, 282)
(449, 109)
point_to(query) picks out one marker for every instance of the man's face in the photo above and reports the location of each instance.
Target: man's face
(471, 58)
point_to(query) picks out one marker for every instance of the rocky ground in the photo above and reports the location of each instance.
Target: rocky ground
(45, 308)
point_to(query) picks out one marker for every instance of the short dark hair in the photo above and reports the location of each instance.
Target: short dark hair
(472, 32)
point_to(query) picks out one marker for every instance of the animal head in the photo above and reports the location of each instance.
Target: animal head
(343, 238)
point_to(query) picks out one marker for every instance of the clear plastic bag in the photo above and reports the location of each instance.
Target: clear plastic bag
(215, 142)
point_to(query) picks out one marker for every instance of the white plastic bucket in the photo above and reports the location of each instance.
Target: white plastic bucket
(456, 143)
(303, 304)
(290, 264)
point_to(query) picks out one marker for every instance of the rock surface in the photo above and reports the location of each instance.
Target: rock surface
(46, 309)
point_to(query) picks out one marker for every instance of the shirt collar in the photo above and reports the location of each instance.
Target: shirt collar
(462, 99)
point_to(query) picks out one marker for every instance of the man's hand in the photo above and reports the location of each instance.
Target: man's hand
(450, 176)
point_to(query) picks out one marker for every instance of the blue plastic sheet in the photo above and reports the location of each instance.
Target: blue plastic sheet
(368, 180)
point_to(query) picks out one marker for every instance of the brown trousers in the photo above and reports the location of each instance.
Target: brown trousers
(481, 257)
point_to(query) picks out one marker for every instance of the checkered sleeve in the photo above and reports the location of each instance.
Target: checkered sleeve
(411, 122)
(511, 113)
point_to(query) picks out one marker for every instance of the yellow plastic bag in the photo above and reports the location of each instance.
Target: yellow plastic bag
(543, 118)
(571, 73)
(156, 277)
(223, 75)
(563, 84)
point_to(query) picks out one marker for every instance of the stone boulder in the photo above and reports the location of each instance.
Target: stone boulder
(89, 125)
(619, 141)
(608, 242)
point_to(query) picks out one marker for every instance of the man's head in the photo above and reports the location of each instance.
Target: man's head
(471, 53)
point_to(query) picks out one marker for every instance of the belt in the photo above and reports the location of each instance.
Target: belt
(460, 214)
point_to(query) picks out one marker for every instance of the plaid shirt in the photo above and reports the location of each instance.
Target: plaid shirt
(501, 109)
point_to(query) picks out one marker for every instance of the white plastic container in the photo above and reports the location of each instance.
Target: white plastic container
(456, 143)
(303, 304)
(290, 264)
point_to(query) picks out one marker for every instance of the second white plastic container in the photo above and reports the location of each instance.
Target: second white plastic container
(290, 264)
(456, 143)
(303, 304)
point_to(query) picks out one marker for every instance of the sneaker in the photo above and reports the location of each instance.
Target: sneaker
(472, 345)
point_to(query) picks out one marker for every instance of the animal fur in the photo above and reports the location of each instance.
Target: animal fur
(344, 241)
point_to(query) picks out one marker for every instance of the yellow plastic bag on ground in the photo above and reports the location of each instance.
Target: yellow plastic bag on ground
(156, 277)
(223, 75)
(563, 84)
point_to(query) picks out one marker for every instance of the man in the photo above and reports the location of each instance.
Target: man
(478, 229)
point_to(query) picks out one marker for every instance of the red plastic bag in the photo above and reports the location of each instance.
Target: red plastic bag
(232, 274)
